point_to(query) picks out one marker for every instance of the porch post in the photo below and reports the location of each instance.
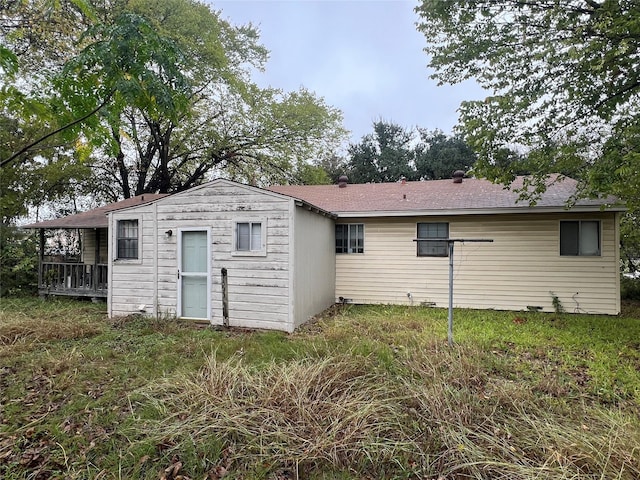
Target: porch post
(96, 259)
(41, 258)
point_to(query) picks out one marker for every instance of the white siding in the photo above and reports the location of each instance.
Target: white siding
(259, 295)
(519, 269)
(132, 282)
(314, 264)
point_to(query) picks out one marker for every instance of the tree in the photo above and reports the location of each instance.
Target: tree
(156, 96)
(565, 83)
(227, 127)
(393, 152)
(438, 155)
(383, 156)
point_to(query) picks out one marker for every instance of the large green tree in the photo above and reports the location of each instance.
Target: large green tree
(228, 126)
(392, 152)
(385, 155)
(153, 96)
(564, 83)
(439, 155)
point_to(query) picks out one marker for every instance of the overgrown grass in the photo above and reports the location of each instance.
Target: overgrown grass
(364, 392)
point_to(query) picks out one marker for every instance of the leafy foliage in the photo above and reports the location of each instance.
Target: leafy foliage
(18, 261)
(224, 125)
(564, 79)
(438, 156)
(565, 85)
(393, 152)
(149, 96)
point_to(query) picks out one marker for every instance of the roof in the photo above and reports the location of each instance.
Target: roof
(438, 197)
(96, 218)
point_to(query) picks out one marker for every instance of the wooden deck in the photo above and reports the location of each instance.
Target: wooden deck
(73, 279)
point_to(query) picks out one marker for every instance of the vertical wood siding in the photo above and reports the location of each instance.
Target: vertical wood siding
(519, 269)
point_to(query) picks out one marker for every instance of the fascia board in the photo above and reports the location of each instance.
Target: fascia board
(477, 211)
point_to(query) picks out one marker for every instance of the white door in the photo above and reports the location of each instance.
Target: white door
(194, 286)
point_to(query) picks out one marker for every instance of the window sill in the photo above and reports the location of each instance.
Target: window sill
(127, 261)
(240, 253)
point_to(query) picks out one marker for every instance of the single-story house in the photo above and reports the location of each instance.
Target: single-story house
(238, 255)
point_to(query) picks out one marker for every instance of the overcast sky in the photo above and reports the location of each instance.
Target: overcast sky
(364, 57)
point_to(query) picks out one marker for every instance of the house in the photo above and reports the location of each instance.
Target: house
(222, 253)
(539, 252)
(238, 255)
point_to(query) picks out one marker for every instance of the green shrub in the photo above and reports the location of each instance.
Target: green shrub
(630, 288)
(18, 261)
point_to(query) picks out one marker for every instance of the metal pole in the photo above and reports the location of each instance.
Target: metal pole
(450, 328)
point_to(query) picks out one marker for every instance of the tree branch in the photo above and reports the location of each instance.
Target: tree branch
(55, 132)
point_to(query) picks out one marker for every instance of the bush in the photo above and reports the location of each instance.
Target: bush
(18, 261)
(630, 288)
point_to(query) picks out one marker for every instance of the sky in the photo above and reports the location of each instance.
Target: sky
(364, 57)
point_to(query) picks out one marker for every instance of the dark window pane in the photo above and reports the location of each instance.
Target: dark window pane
(350, 238)
(433, 230)
(569, 232)
(127, 239)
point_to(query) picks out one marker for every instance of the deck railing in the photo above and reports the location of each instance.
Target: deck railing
(73, 279)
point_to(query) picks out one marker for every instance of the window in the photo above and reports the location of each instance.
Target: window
(250, 238)
(433, 231)
(350, 238)
(580, 238)
(127, 239)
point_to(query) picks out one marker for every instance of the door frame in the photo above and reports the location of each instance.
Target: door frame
(209, 261)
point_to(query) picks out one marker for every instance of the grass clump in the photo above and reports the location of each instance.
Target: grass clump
(312, 414)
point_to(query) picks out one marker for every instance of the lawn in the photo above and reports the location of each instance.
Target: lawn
(363, 392)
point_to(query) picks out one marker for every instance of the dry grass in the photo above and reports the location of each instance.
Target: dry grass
(38, 322)
(363, 393)
(438, 413)
(308, 413)
(490, 427)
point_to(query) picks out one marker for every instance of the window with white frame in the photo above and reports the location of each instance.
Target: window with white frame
(127, 239)
(350, 238)
(580, 238)
(433, 231)
(250, 237)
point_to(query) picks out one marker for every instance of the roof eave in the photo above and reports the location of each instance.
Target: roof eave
(480, 211)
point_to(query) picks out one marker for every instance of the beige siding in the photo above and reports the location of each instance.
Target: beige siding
(314, 264)
(89, 245)
(519, 269)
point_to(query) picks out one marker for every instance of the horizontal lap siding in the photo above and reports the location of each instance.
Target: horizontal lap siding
(258, 286)
(132, 283)
(89, 245)
(519, 269)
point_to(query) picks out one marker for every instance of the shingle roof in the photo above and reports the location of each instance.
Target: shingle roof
(433, 196)
(96, 218)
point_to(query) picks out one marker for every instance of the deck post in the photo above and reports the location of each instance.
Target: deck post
(96, 259)
(41, 259)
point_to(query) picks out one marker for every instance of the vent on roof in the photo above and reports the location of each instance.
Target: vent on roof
(458, 175)
(342, 181)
